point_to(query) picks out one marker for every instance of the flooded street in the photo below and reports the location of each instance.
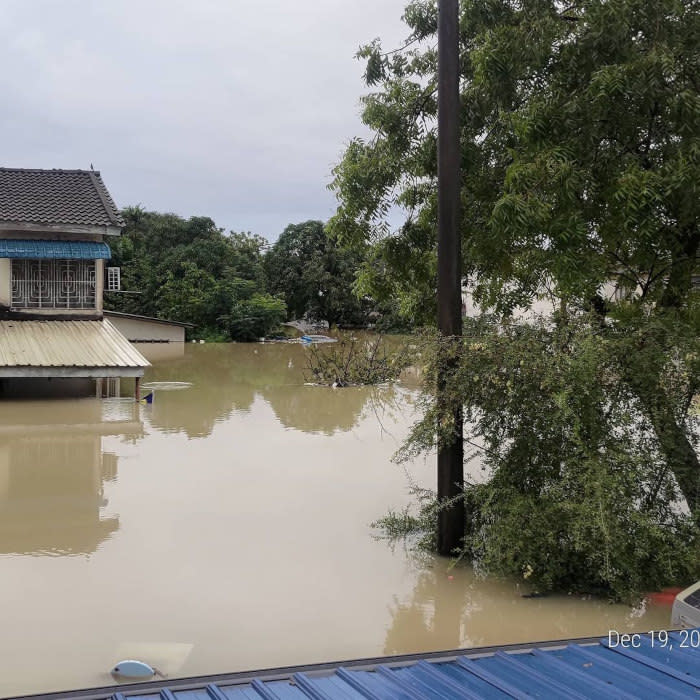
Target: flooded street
(227, 527)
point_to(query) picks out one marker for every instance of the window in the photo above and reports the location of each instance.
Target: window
(113, 279)
(53, 284)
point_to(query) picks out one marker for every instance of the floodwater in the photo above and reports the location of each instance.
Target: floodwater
(227, 527)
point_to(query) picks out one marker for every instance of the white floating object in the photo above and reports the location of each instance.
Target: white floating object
(166, 386)
(686, 607)
(165, 658)
(130, 668)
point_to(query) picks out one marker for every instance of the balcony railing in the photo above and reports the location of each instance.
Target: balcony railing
(53, 284)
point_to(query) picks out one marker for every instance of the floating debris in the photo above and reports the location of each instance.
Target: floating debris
(129, 668)
(308, 339)
(166, 386)
(164, 659)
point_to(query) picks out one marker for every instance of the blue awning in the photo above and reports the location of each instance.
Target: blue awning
(76, 250)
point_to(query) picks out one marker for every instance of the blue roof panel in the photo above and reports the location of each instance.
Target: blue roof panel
(474, 684)
(62, 250)
(559, 665)
(326, 687)
(624, 673)
(374, 685)
(686, 675)
(429, 680)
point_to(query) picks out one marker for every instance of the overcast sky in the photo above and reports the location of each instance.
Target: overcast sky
(234, 109)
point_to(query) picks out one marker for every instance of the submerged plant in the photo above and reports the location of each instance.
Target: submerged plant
(416, 522)
(355, 361)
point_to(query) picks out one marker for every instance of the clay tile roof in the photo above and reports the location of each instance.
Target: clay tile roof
(72, 197)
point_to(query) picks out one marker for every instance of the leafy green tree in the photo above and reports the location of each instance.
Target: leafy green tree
(187, 293)
(253, 318)
(580, 144)
(190, 270)
(315, 276)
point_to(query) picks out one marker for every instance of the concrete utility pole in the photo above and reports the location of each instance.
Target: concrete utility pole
(450, 448)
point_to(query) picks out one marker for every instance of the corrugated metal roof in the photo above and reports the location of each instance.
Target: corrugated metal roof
(76, 197)
(66, 344)
(564, 670)
(61, 250)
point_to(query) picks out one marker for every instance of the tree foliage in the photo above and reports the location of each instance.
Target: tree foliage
(578, 492)
(315, 276)
(580, 146)
(189, 270)
(579, 143)
(253, 317)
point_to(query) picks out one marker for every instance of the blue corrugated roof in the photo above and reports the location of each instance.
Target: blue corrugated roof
(558, 670)
(81, 250)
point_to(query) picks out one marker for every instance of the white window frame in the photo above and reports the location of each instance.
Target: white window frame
(113, 282)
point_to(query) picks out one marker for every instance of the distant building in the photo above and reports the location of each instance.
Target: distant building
(54, 228)
(146, 329)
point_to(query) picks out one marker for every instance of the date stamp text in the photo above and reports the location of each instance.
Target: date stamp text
(683, 639)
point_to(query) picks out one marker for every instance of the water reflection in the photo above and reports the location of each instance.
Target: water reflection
(427, 621)
(454, 608)
(228, 378)
(52, 476)
(161, 352)
(223, 381)
(318, 409)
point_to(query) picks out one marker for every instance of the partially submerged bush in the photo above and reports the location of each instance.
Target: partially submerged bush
(355, 361)
(584, 533)
(420, 527)
(253, 318)
(580, 493)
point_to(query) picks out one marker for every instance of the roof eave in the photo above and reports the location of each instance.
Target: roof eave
(32, 227)
(61, 371)
(139, 317)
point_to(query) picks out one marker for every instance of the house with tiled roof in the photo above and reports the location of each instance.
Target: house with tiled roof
(55, 227)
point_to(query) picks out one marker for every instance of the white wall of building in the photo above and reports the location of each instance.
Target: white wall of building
(5, 282)
(543, 306)
(137, 329)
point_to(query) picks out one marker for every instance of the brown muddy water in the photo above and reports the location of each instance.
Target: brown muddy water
(226, 527)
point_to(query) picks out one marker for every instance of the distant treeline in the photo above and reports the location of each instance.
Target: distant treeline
(236, 286)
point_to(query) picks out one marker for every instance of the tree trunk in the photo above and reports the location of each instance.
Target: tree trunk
(679, 452)
(450, 458)
(677, 448)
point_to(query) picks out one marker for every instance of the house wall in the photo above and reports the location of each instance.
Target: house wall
(5, 282)
(136, 329)
(99, 283)
(544, 306)
(4, 470)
